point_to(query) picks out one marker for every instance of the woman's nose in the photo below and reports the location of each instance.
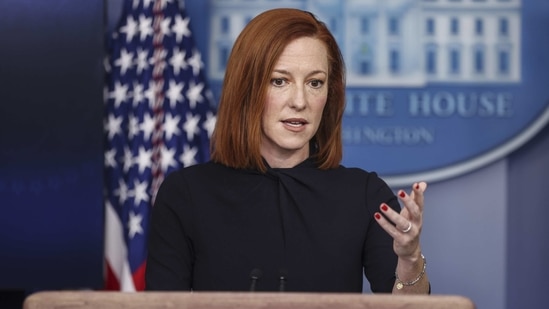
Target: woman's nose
(299, 98)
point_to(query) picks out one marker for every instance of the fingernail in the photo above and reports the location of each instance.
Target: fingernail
(384, 207)
(402, 194)
(378, 216)
(417, 186)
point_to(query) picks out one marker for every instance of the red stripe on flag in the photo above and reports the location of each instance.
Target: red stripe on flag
(111, 281)
(139, 277)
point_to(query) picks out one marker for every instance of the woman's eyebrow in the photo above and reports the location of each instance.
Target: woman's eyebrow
(285, 72)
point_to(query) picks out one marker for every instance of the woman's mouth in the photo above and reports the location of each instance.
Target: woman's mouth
(294, 122)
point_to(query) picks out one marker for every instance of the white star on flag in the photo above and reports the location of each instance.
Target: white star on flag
(125, 61)
(196, 62)
(188, 155)
(141, 193)
(145, 27)
(130, 29)
(181, 28)
(168, 156)
(110, 160)
(191, 126)
(134, 224)
(143, 159)
(142, 60)
(119, 94)
(147, 126)
(113, 126)
(174, 93)
(171, 126)
(194, 94)
(178, 60)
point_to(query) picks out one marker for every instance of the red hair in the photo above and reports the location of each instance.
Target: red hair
(236, 139)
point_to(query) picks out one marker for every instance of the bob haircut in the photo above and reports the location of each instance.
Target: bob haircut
(237, 135)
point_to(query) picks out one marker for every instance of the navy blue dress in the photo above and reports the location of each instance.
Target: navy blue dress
(213, 227)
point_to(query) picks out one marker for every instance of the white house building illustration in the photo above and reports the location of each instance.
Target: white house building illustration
(402, 43)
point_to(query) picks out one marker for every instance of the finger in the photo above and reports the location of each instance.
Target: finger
(418, 188)
(417, 194)
(390, 228)
(399, 222)
(410, 204)
(386, 225)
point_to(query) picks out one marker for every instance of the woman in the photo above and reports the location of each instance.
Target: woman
(274, 209)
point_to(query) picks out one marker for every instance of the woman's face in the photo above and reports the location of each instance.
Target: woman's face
(296, 97)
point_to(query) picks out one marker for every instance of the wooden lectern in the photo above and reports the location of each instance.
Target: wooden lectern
(240, 300)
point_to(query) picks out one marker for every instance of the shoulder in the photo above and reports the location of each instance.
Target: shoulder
(359, 173)
(199, 170)
(178, 179)
(347, 179)
(341, 174)
(370, 180)
(206, 175)
(188, 182)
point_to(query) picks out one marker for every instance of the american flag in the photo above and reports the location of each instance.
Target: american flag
(159, 117)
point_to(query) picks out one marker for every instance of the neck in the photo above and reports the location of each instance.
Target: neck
(285, 161)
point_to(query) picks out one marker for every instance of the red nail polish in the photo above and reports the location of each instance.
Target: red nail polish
(417, 186)
(378, 216)
(402, 194)
(384, 207)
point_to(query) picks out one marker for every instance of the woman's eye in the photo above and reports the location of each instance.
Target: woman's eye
(278, 82)
(316, 83)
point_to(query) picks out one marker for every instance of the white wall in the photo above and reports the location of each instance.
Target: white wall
(464, 238)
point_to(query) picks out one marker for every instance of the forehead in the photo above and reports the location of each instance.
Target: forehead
(305, 52)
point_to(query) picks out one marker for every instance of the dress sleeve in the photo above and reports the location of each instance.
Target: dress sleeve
(169, 260)
(379, 258)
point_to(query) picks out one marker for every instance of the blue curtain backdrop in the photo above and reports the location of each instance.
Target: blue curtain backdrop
(51, 131)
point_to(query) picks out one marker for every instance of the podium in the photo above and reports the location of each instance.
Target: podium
(240, 300)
